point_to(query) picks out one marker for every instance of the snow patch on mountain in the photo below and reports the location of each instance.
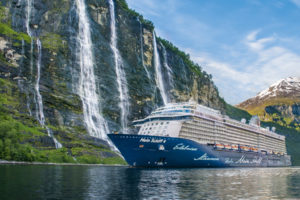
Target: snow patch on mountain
(283, 87)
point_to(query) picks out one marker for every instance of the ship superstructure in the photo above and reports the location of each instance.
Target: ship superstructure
(208, 126)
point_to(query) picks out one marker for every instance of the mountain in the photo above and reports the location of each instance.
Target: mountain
(279, 103)
(72, 71)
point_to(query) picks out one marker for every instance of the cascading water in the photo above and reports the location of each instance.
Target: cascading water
(28, 16)
(169, 70)
(28, 30)
(40, 110)
(21, 80)
(95, 123)
(142, 50)
(121, 78)
(38, 97)
(158, 72)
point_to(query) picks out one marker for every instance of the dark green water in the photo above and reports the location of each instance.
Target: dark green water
(94, 182)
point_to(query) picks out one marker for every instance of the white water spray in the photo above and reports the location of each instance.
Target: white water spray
(142, 50)
(158, 72)
(40, 109)
(95, 123)
(28, 16)
(169, 70)
(121, 77)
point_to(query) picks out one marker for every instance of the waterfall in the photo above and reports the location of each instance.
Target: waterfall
(121, 78)
(142, 49)
(169, 70)
(95, 123)
(28, 30)
(38, 97)
(28, 16)
(158, 72)
(40, 110)
(21, 80)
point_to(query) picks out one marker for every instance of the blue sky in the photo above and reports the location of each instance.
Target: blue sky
(245, 44)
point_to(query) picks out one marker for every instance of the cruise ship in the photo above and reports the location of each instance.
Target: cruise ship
(192, 135)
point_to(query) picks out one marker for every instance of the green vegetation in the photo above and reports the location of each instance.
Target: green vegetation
(6, 30)
(52, 41)
(186, 59)
(5, 27)
(2, 13)
(267, 111)
(21, 136)
(236, 113)
(123, 4)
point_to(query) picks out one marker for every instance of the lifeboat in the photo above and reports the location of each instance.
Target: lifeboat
(254, 149)
(227, 146)
(235, 147)
(244, 148)
(219, 146)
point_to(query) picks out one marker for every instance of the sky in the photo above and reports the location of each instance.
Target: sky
(246, 45)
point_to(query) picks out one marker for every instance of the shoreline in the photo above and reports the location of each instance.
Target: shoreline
(6, 162)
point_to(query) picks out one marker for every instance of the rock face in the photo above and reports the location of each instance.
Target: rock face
(55, 23)
(279, 103)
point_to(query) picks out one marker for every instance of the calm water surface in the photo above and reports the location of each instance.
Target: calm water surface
(96, 182)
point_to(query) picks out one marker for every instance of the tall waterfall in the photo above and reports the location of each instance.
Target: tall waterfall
(169, 70)
(29, 7)
(95, 123)
(40, 110)
(28, 16)
(121, 77)
(38, 97)
(142, 50)
(158, 72)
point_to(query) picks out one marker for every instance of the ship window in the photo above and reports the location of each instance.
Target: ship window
(156, 123)
(168, 122)
(161, 123)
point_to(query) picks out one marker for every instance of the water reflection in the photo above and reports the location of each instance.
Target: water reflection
(95, 182)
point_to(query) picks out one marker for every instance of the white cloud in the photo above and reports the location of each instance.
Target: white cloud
(257, 44)
(297, 2)
(270, 64)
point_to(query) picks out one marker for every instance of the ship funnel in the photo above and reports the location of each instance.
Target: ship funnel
(273, 129)
(243, 120)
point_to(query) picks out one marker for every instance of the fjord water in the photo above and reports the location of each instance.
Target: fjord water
(97, 182)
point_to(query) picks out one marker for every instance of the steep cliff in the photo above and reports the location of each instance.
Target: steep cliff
(72, 69)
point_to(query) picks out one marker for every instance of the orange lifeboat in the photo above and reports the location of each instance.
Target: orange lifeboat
(219, 146)
(235, 147)
(227, 146)
(254, 149)
(244, 148)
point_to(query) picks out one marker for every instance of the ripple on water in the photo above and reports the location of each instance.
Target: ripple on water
(94, 182)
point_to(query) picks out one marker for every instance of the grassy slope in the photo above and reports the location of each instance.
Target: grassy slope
(274, 117)
(260, 109)
(20, 136)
